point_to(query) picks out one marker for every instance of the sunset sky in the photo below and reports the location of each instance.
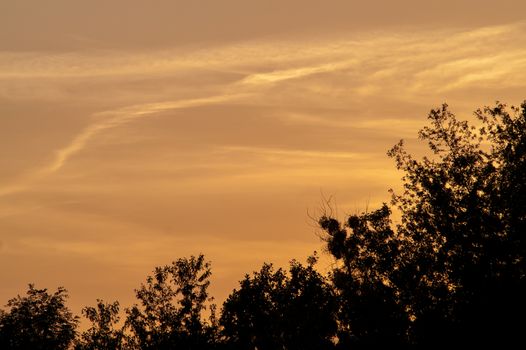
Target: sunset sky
(136, 132)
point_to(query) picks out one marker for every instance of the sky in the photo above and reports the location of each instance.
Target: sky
(133, 133)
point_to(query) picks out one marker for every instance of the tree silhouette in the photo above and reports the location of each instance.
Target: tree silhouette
(452, 272)
(368, 251)
(39, 321)
(454, 268)
(172, 304)
(276, 310)
(104, 332)
(470, 212)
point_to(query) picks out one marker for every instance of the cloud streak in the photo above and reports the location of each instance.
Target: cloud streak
(295, 153)
(122, 116)
(111, 119)
(295, 73)
(393, 65)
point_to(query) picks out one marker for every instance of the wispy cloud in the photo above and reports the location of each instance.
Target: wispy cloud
(294, 73)
(380, 123)
(294, 152)
(345, 71)
(118, 117)
(108, 120)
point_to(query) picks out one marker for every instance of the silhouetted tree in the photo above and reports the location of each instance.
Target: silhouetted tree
(39, 321)
(467, 207)
(452, 272)
(454, 267)
(371, 313)
(104, 333)
(276, 310)
(172, 303)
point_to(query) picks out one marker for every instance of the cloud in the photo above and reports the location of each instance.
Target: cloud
(108, 120)
(306, 114)
(295, 73)
(322, 73)
(294, 153)
(350, 70)
(402, 126)
(121, 116)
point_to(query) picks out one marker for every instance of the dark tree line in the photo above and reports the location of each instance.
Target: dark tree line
(451, 272)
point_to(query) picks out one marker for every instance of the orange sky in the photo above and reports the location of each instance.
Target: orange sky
(136, 132)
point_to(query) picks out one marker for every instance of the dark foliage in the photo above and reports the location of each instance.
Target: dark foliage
(37, 321)
(453, 271)
(104, 332)
(368, 252)
(171, 312)
(276, 310)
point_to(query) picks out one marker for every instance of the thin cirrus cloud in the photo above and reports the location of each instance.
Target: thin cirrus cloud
(396, 66)
(110, 119)
(122, 116)
(438, 48)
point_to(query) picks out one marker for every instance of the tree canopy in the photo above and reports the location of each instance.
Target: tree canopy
(172, 303)
(273, 309)
(39, 320)
(453, 270)
(105, 332)
(450, 272)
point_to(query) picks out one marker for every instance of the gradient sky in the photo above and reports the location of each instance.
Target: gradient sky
(136, 132)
